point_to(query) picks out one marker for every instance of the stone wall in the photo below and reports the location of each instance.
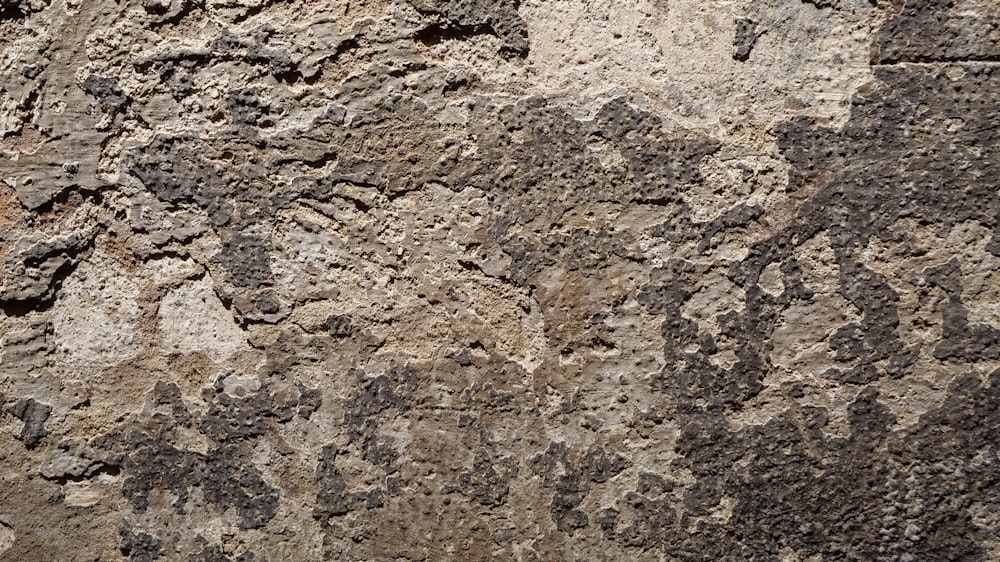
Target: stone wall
(570, 280)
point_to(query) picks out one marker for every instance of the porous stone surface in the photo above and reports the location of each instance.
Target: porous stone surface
(499, 280)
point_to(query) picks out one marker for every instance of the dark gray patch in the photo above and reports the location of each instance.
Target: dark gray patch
(376, 399)
(107, 91)
(237, 418)
(139, 546)
(825, 3)
(893, 160)
(33, 269)
(693, 377)
(247, 258)
(938, 31)
(267, 304)
(746, 37)
(479, 16)
(245, 106)
(959, 338)
(333, 498)
(339, 325)
(643, 517)
(571, 482)
(156, 6)
(529, 150)
(33, 414)
(484, 483)
(214, 553)
(226, 47)
(392, 390)
(224, 474)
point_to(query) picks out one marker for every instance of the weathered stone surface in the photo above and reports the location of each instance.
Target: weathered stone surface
(939, 31)
(436, 279)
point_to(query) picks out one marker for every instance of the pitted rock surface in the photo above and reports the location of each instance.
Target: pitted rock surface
(466, 280)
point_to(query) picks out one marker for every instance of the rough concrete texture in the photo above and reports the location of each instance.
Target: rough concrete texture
(509, 279)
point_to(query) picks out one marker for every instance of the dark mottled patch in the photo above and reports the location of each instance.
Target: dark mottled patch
(959, 338)
(33, 414)
(247, 258)
(336, 499)
(339, 325)
(938, 31)
(376, 394)
(746, 37)
(825, 3)
(150, 458)
(530, 150)
(139, 546)
(33, 269)
(643, 517)
(109, 94)
(253, 51)
(224, 475)
(245, 106)
(693, 377)
(919, 145)
(214, 553)
(899, 495)
(499, 17)
(485, 483)
(332, 498)
(571, 482)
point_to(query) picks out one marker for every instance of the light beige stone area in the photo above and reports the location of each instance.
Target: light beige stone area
(96, 322)
(192, 318)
